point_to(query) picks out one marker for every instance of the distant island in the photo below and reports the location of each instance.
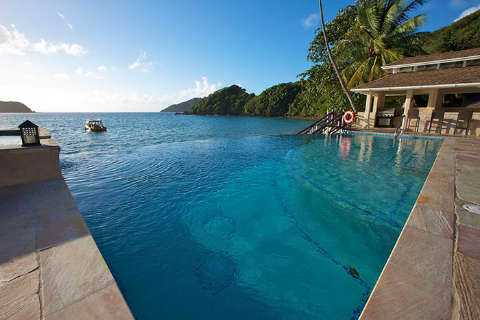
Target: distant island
(183, 106)
(14, 107)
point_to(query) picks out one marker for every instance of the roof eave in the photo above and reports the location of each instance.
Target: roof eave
(416, 64)
(437, 86)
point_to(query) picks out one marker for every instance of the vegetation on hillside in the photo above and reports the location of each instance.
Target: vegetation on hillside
(381, 33)
(460, 35)
(183, 106)
(363, 37)
(13, 107)
(226, 101)
(273, 102)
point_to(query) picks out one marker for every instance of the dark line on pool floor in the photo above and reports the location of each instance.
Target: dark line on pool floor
(326, 254)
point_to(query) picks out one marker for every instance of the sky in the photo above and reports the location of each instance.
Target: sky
(123, 56)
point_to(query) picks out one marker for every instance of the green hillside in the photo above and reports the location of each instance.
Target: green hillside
(460, 35)
(13, 107)
(226, 101)
(183, 106)
(273, 102)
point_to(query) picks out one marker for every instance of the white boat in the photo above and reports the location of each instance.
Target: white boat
(94, 126)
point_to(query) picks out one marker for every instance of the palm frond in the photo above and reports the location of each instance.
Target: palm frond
(410, 24)
(410, 7)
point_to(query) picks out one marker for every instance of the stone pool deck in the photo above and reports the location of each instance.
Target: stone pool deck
(50, 266)
(433, 271)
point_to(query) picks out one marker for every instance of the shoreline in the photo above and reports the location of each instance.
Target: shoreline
(252, 116)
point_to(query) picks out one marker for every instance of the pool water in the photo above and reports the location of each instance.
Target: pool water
(226, 218)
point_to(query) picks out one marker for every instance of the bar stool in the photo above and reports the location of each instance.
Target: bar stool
(463, 121)
(413, 115)
(438, 117)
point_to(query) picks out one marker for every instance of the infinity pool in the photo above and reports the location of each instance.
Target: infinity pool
(246, 224)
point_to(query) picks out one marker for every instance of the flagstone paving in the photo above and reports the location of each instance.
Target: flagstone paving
(50, 265)
(434, 270)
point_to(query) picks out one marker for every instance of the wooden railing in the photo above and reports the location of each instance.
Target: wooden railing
(330, 123)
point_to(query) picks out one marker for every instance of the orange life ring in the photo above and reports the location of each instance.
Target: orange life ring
(348, 117)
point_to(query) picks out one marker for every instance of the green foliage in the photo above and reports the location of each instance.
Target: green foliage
(364, 37)
(274, 101)
(321, 92)
(335, 30)
(226, 101)
(381, 33)
(460, 35)
(183, 106)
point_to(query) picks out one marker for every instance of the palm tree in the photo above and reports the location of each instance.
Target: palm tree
(332, 61)
(382, 34)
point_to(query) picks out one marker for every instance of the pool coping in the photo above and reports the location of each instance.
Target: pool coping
(423, 276)
(50, 265)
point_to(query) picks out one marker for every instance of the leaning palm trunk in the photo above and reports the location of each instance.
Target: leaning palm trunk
(334, 65)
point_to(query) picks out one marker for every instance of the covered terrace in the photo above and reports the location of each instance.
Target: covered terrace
(437, 94)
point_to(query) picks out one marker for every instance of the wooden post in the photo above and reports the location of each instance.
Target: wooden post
(433, 99)
(408, 104)
(378, 102)
(368, 106)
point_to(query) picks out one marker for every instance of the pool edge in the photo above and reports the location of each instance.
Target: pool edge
(50, 265)
(418, 279)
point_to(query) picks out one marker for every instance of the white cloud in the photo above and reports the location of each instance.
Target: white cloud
(459, 4)
(141, 63)
(41, 91)
(311, 20)
(468, 12)
(134, 101)
(16, 43)
(79, 71)
(49, 47)
(73, 49)
(89, 74)
(12, 41)
(102, 68)
(62, 16)
(201, 89)
(61, 76)
(93, 75)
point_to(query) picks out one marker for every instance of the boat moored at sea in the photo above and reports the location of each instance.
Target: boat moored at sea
(94, 126)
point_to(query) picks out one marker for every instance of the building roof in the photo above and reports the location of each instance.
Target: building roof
(443, 78)
(437, 57)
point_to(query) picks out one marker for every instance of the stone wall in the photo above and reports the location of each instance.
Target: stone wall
(22, 165)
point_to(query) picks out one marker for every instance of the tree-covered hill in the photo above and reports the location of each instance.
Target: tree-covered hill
(460, 35)
(13, 107)
(183, 106)
(226, 101)
(275, 101)
(234, 100)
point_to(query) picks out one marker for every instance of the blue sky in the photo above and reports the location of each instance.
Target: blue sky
(144, 55)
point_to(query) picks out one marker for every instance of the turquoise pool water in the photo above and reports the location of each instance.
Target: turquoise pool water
(226, 218)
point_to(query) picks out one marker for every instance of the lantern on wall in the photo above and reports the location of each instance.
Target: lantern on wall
(29, 134)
